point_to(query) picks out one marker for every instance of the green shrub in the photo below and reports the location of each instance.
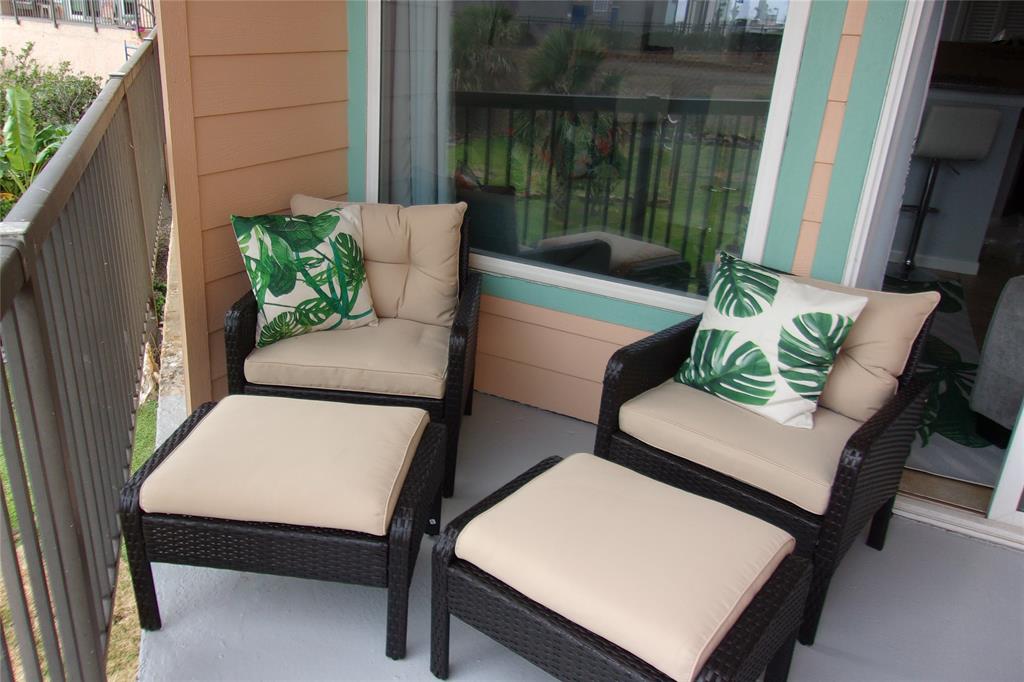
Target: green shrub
(59, 95)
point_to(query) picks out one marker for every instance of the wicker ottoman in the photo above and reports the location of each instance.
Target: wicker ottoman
(594, 572)
(304, 488)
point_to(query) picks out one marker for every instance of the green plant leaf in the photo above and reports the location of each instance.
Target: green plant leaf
(281, 326)
(281, 265)
(808, 346)
(723, 367)
(742, 289)
(19, 144)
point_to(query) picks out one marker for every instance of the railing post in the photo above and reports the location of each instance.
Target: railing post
(53, 14)
(648, 126)
(14, 8)
(92, 11)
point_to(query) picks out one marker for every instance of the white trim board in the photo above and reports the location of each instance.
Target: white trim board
(895, 134)
(623, 291)
(1008, 534)
(766, 181)
(373, 74)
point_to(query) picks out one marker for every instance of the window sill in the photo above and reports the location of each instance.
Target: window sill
(553, 276)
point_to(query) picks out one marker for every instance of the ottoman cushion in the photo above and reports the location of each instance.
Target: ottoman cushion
(282, 460)
(657, 571)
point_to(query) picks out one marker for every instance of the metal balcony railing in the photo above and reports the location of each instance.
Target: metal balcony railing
(676, 172)
(76, 259)
(137, 15)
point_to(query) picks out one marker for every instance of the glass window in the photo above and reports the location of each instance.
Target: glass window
(614, 138)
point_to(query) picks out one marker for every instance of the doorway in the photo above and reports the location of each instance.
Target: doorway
(961, 233)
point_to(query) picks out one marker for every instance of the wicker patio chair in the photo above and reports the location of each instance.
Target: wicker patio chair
(868, 456)
(449, 390)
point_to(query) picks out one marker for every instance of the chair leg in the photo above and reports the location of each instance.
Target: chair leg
(880, 525)
(434, 517)
(820, 581)
(142, 582)
(440, 627)
(778, 667)
(450, 458)
(398, 618)
(469, 402)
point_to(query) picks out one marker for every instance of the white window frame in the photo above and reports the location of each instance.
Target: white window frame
(777, 124)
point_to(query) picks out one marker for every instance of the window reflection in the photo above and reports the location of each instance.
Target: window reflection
(615, 138)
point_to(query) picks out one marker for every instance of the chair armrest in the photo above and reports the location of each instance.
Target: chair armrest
(239, 339)
(462, 344)
(640, 367)
(871, 466)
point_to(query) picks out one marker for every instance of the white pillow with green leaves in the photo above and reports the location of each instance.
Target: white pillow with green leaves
(767, 343)
(307, 272)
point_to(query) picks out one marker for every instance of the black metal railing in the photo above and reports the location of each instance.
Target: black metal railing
(137, 15)
(677, 172)
(76, 262)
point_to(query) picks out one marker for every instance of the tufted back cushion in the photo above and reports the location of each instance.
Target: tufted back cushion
(411, 256)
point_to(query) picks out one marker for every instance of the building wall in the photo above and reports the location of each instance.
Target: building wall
(257, 110)
(97, 53)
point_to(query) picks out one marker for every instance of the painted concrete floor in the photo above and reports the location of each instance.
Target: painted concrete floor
(932, 606)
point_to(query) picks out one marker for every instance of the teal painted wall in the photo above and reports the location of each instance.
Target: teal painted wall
(821, 44)
(867, 93)
(357, 84)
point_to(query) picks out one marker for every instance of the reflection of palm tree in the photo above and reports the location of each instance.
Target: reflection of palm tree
(477, 31)
(568, 62)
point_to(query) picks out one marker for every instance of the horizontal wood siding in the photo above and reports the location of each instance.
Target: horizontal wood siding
(257, 98)
(546, 358)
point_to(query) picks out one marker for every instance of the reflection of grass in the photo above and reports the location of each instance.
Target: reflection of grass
(701, 210)
(122, 660)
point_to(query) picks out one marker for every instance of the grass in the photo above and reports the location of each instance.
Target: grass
(123, 649)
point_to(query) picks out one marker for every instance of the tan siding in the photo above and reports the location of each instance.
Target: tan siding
(545, 358)
(257, 108)
(255, 190)
(230, 84)
(246, 139)
(229, 27)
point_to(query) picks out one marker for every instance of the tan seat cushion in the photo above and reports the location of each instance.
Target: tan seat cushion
(282, 460)
(797, 465)
(661, 573)
(411, 256)
(397, 357)
(866, 372)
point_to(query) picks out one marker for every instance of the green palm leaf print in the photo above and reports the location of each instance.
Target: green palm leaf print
(808, 346)
(742, 289)
(280, 327)
(737, 371)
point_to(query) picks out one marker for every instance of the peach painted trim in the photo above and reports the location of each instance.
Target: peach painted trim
(828, 139)
(575, 324)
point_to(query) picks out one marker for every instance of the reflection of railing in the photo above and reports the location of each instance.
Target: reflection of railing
(133, 14)
(76, 255)
(674, 171)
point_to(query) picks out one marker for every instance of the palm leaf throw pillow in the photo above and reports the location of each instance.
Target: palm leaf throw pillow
(766, 342)
(307, 272)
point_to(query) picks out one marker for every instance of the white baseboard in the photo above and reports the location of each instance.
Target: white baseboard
(964, 267)
(1007, 534)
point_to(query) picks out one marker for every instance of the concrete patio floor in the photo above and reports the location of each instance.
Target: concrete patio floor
(932, 606)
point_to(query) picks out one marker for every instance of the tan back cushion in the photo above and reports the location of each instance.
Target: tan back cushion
(866, 372)
(411, 255)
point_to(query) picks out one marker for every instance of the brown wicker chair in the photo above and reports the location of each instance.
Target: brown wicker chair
(240, 341)
(862, 490)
